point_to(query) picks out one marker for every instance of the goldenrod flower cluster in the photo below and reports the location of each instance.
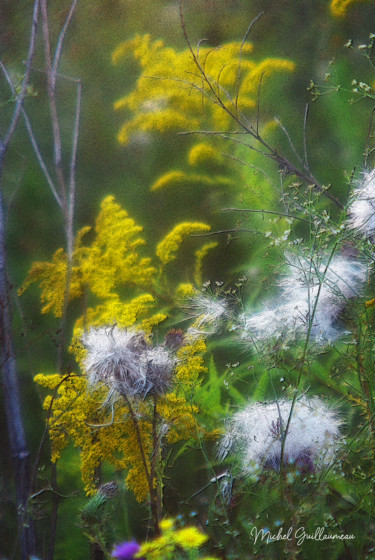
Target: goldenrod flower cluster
(168, 247)
(75, 413)
(339, 8)
(110, 261)
(169, 94)
(172, 541)
(172, 94)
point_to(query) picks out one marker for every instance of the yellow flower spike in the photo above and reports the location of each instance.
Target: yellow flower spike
(339, 8)
(167, 248)
(112, 259)
(173, 178)
(185, 290)
(189, 537)
(370, 303)
(202, 154)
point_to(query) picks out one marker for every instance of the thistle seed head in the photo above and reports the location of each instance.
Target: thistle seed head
(124, 361)
(158, 366)
(311, 300)
(257, 432)
(362, 207)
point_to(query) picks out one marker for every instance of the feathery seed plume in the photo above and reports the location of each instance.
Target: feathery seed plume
(158, 366)
(312, 297)
(257, 432)
(362, 208)
(208, 313)
(124, 361)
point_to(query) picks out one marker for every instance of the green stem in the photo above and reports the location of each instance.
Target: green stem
(150, 481)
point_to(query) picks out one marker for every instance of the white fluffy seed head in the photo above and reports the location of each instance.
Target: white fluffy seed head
(312, 297)
(362, 207)
(113, 359)
(256, 434)
(124, 361)
(158, 365)
(208, 310)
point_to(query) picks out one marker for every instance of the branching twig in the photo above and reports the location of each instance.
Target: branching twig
(284, 164)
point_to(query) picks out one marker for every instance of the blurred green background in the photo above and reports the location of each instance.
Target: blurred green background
(300, 30)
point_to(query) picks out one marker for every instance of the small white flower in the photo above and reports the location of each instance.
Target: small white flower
(362, 208)
(312, 297)
(257, 432)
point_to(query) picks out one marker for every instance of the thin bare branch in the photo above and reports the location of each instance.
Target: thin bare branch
(306, 160)
(258, 103)
(33, 139)
(290, 141)
(240, 57)
(73, 168)
(51, 81)
(281, 214)
(221, 231)
(21, 97)
(285, 166)
(61, 38)
(251, 166)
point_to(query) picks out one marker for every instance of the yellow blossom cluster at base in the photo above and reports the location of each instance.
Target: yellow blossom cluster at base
(171, 540)
(106, 433)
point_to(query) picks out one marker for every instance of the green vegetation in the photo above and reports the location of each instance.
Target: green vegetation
(186, 279)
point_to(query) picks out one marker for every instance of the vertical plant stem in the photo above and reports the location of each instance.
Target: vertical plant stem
(65, 199)
(150, 482)
(301, 369)
(156, 452)
(13, 409)
(55, 507)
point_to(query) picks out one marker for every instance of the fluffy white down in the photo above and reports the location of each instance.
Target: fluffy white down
(208, 310)
(111, 357)
(310, 293)
(158, 365)
(362, 208)
(123, 360)
(256, 435)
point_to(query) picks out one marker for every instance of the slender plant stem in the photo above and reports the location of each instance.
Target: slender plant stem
(150, 481)
(12, 400)
(156, 451)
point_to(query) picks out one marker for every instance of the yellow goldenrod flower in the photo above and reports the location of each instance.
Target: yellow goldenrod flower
(175, 100)
(339, 8)
(167, 248)
(185, 290)
(202, 154)
(200, 255)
